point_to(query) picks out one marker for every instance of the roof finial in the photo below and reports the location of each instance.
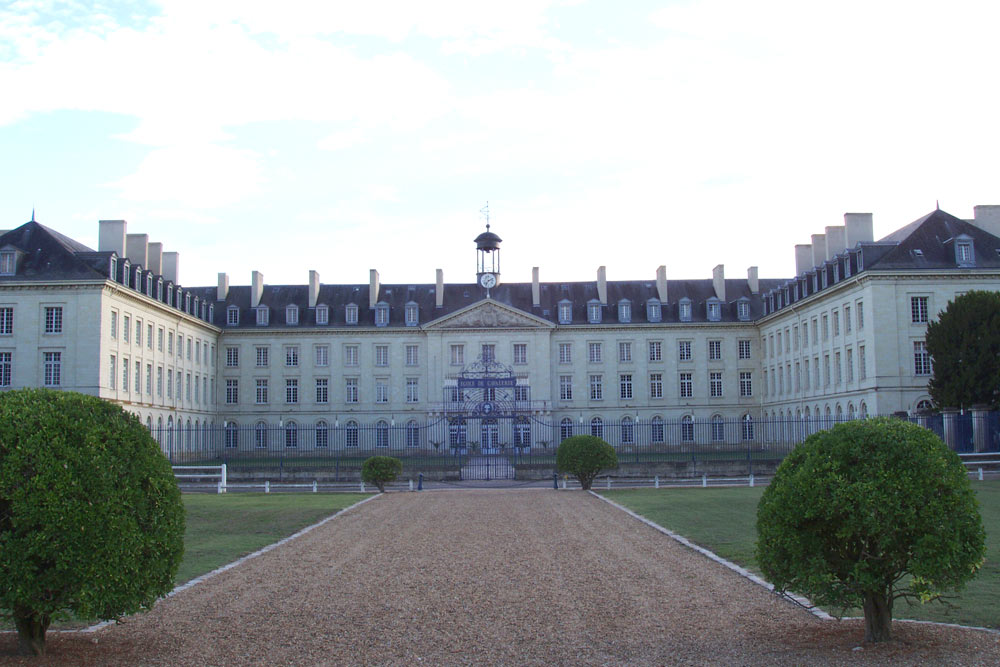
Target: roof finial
(937, 204)
(485, 212)
(32, 214)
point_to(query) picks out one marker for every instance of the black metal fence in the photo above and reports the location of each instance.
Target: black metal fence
(451, 443)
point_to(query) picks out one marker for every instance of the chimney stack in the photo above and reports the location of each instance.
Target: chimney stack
(602, 285)
(172, 267)
(154, 255)
(752, 280)
(859, 229)
(373, 287)
(719, 282)
(256, 288)
(111, 236)
(136, 249)
(223, 290)
(313, 288)
(987, 218)
(439, 288)
(818, 249)
(661, 283)
(836, 241)
(803, 258)
(536, 289)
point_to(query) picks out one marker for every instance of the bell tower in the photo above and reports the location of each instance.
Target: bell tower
(488, 256)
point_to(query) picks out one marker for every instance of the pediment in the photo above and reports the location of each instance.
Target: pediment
(489, 314)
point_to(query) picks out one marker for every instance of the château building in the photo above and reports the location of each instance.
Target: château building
(626, 359)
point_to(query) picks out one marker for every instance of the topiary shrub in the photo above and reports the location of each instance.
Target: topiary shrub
(378, 470)
(91, 519)
(866, 513)
(584, 457)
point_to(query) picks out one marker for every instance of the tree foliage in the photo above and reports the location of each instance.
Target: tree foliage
(379, 470)
(866, 513)
(584, 457)
(91, 519)
(965, 344)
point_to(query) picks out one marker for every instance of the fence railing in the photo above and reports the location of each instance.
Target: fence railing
(448, 443)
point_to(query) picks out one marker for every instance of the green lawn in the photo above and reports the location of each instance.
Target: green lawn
(724, 520)
(221, 528)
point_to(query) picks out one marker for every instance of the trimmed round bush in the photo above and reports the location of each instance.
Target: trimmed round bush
(91, 519)
(868, 512)
(584, 457)
(379, 470)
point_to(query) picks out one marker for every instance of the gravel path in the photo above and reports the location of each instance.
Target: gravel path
(512, 577)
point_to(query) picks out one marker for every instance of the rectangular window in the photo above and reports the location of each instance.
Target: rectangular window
(488, 352)
(232, 392)
(788, 341)
(686, 385)
(655, 350)
(815, 329)
(292, 356)
(114, 324)
(778, 346)
(261, 391)
(189, 348)
(54, 320)
(232, 316)
(149, 379)
(232, 357)
(381, 355)
(521, 392)
(625, 386)
(565, 353)
(170, 343)
(715, 384)
(187, 387)
(159, 381)
(805, 377)
(816, 376)
(805, 334)
(6, 366)
(138, 377)
(795, 337)
(596, 388)
(322, 315)
(826, 326)
(350, 355)
(114, 371)
(322, 353)
(413, 390)
(263, 356)
(520, 353)
(170, 384)
(624, 352)
(566, 387)
(594, 353)
(837, 373)
(322, 390)
(714, 350)
(861, 315)
(656, 385)
(412, 355)
(850, 360)
(746, 383)
(684, 350)
(53, 368)
(180, 346)
(826, 370)
(918, 309)
(743, 349)
(836, 322)
(291, 390)
(862, 370)
(798, 377)
(263, 315)
(921, 359)
(381, 390)
(159, 339)
(138, 333)
(126, 324)
(350, 390)
(457, 355)
(125, 374)
(847, 319)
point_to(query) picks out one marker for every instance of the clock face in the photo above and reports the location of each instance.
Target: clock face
(488, 280)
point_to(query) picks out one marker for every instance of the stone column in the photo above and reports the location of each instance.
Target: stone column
(980, 428)
(949, 415)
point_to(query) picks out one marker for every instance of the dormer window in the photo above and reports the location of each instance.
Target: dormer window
(743, 309)
(847, 265)
(292, 314)
(149, 283)
(322, 315)
(187, 302)
(232, 316)
(684, 309)
(412, 314)
(112, 269)
(197, 302)
(824, 278)
(159, 289)
(170, 294)
(211, 313)
(594, 311)
(381, 314)
(654, 313)
(565, 311)
(713, 309)
(351, 313)
(263, 315)
(861, 261)
(815, 278)
(624, 310)
(836, 271)
(138, 279)
(964, 254)
(126, 273)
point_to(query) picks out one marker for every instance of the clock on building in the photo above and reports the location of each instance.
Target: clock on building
(488, 280)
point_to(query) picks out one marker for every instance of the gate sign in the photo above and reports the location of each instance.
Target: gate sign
(486, 383)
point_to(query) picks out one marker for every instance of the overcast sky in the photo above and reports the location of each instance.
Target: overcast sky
(342, 136)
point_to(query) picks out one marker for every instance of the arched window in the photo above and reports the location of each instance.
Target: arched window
(522, 432)
(924, 405)
(747, 427)
(170, 431)
(322, 434)
(187, 434)
(687, 428)
(656, 429)
(159, 430)
(457, 431)
(597, 427)
(412, 434)
(382, 433)
(864, 410)
(628, 431)
(840, 413)
(232, 435)
(291, 435)
(260, 435)
(850, 411)
(197, 432)
(718, 428)
(565, 428)
(351, 434)
(149, 423)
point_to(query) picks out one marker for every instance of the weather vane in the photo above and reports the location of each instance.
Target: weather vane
(485, 212)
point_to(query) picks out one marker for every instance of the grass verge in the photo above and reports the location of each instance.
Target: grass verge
(724, 520)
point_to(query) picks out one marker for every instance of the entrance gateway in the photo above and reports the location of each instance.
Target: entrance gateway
(488, 419)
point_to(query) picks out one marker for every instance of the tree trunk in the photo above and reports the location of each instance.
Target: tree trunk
(878, 617)
(381, 485)
(31, 629)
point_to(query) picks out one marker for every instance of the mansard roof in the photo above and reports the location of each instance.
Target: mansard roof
(932, 235)
(48, 255)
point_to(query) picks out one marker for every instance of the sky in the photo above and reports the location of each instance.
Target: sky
(345, 136)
